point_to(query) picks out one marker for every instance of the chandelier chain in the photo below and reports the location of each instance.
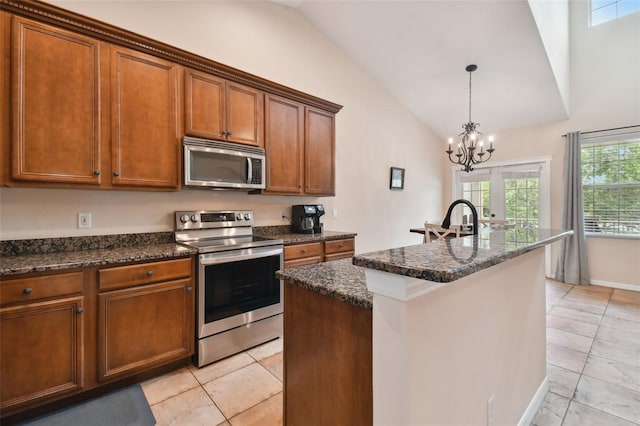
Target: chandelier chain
(469, 96)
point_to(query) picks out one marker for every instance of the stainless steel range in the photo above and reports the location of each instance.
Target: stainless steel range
(239, 298)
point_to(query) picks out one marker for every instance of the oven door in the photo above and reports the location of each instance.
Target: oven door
(237, 287)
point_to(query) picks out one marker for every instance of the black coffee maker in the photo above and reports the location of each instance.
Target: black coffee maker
(305, 218)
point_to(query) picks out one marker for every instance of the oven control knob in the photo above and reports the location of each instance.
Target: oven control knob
(194, 218)
(238, 216)
(184, 218)
(247, 216)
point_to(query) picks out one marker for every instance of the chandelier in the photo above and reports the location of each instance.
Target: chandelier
(470, 143)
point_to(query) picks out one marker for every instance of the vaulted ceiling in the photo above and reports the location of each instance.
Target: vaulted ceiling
(418, 51)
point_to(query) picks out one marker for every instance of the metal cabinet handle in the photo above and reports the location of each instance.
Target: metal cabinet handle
(149, 273)
(80, 310)
(96, 172)
(303, 251)
(189, 289)
(116, 174)
(228, 132)
(340, 245)
(27, 290)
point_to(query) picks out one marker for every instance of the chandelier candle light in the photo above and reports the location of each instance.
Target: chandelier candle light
(470, 144)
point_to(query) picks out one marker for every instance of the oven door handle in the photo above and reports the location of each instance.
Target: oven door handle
(234, 256)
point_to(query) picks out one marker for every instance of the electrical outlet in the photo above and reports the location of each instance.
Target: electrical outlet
(84, 220)
(491, 410)
(335, 213)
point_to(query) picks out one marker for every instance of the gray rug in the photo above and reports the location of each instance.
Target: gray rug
(124, 407)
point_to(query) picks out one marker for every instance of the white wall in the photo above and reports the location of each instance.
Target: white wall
(373, 132)
(441, 352)
(605, 93)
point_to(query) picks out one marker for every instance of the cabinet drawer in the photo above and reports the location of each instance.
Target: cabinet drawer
(302, 261)
(145, 273)
(339, 246)
(35, 288)
(298, 251)
(336, 256)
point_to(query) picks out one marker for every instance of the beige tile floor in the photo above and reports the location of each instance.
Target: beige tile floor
(593, 366)
(245, 389)
(593, 357)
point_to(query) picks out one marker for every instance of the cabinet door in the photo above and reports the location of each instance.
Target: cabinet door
(245, 122)
(41, 350)
(204, 98)
(319, 152)
(284, 127)
(145, 326)
(55, 105)
(145, 138)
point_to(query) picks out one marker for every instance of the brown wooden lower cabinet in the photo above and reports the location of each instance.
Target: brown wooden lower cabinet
(317, 252)
(63, 334)
(42, 350)
(327, 360)
(144, 326)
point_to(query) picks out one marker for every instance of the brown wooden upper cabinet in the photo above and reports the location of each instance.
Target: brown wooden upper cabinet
(319, 150)
(300, 146)
(55, 105)
(88, 113)
(144, 120)
(222, 110)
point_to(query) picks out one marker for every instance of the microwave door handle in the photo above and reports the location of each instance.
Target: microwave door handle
(249, 170)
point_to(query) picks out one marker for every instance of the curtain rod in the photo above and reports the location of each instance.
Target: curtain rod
(607, 130)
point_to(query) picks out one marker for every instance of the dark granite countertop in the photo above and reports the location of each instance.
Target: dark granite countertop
(448, 260)
(53, 254)
(284, 233)
(339, 279)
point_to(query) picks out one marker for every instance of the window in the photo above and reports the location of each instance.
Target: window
(611, 185)
(607, 10)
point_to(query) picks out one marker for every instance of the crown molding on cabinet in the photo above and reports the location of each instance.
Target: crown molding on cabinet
(59, 17)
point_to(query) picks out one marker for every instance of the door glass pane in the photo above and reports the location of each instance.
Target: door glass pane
(479, 193)
(521, 202)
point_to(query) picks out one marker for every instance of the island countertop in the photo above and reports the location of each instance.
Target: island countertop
(444, 261)
(339, 279)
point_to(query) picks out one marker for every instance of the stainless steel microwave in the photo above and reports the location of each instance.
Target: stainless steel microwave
(210, 164)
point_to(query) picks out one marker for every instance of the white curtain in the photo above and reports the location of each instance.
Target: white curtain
(573, 267)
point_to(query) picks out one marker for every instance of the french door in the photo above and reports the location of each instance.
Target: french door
(516, 192)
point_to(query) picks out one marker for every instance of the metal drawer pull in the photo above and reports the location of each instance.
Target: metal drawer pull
(96, 172)
(80, 310)
(303, 251)
(149, 273)
(27, 290)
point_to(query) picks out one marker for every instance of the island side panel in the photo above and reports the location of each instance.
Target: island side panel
(440, 357)
(327, 360)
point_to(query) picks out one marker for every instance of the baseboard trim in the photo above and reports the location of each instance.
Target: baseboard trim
(535, 404)
(611, 284)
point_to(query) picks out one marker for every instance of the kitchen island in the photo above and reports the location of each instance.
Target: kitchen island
(457, 332)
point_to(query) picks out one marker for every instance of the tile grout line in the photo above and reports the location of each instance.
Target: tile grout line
(573, 395)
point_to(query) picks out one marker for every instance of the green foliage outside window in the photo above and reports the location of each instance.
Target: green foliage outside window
(611, 187)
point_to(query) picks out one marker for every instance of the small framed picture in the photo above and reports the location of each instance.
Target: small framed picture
(397, 178)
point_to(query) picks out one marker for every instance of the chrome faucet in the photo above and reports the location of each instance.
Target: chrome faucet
(446, 222)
